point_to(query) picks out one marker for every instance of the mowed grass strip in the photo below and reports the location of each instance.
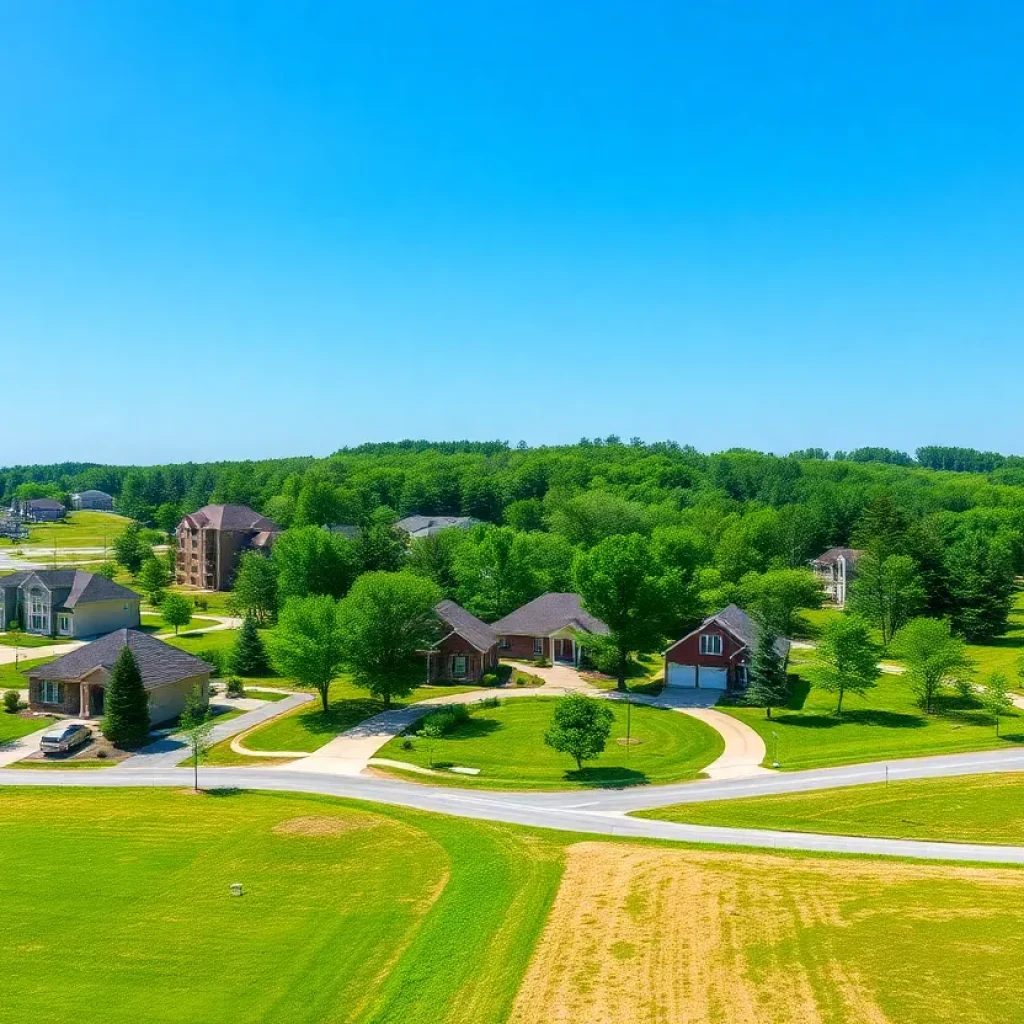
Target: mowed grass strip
(13, 727)
(309, 728)
(350, 913)
(965, 809)
(507, 744)
(79, 530)
(674, 935)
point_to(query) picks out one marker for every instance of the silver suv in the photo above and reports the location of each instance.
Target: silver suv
(64, 737)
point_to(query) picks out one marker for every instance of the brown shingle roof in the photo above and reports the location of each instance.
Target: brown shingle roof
(159, 663)
(232, 517)
(833, 555)
(467, 625)
(546, 614)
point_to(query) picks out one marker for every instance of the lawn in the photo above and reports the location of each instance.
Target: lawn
(11, 678)
(884, 724)
(30, 640)
(81, 530)
(308, 728)
(350, 913)
(1003, 654)
(218, 602)
(645, 674)
(13, 727)
(153, 622)
(216, 640)
(507, 744)
(965, 809)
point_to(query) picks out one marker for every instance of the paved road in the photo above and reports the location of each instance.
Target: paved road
(589, 811)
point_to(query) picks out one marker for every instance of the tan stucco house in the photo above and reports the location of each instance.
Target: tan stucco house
(66, 602)
(75, 684)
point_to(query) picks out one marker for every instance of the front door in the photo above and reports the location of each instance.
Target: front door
(96, 694)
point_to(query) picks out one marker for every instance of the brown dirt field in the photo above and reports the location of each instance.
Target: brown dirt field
(644, 935)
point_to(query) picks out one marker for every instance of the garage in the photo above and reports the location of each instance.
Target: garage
(713, 678)
(681, 675)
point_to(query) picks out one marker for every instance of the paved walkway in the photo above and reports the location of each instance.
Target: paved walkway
(170, 750)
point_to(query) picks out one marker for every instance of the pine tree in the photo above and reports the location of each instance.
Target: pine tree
(126, 704)
(769, 685)
(248, 656)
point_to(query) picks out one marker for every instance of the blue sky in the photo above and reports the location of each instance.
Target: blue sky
(257, 229)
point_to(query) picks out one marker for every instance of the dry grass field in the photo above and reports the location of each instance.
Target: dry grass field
(657, 936)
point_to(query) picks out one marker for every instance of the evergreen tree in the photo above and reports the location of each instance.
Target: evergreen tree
(248, 656)
(769, 685)
(126, 703)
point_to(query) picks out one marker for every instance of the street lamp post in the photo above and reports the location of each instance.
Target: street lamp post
(775, 749)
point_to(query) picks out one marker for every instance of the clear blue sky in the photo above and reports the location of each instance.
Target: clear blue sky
(255, 229)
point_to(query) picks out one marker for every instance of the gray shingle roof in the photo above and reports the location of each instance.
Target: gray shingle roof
(82, 587)
(743, 627)
(546, 614)
(432, 524)
(159, 663)
(467, 625)
(232, 517)
(91, 494)
(44, 503)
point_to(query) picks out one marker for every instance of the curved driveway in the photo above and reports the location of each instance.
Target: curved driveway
(593, 811)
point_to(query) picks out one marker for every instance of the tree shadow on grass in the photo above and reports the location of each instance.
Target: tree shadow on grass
(340, 715)
(611, 778)
(861, 716)
(475, 728)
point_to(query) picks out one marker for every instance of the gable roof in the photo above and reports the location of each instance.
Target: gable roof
(736, 621)
(547, 614)
(467, 625)
(159, 663)
(49, 504)
(91, 494)
(82, 587)
(231, 517)
(833, 555)
(433, 524)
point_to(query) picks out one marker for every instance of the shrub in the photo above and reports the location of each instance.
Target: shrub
(214, 658)
(490, 679)
(542, 662)
(12, 701)
(234, 686)
(444, 720)
(407, 744)
(200, 604)
(489, 702)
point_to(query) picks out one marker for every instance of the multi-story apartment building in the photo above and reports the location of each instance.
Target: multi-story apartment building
(212, 540)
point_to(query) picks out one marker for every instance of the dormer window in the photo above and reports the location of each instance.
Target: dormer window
(711, 643)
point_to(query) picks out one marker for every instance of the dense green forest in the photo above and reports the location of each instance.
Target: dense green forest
(951, 517)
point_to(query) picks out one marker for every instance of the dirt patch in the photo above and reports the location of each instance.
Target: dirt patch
(321, 826)
(665, 936)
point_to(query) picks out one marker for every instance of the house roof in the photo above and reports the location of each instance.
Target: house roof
(82, 587)
(432, 524)
(231, 517)
(467, 625)
(736, 621)
(547, 614)
(159, 663)
(91, 494)
(43, 503)
(833, 555)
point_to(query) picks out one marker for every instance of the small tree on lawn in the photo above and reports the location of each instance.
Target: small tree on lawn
(847, 659)
(935, 656)
(153, 578)
(431, 732)
(248, 656)
(196, 727)
(769, 684)
(130, 550)
(580, 727)
(308, 643)
(255, 587)
(126, 703)
(176, 611)
(996, 697)
(106, 569)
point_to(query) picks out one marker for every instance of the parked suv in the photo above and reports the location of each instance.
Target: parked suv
(64, 737)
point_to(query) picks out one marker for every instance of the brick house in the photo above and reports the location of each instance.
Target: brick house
(547, 627)
(468, 648)
(716, 655)
(835, 570)
(212, 540)
(66, 602)
(75, 684)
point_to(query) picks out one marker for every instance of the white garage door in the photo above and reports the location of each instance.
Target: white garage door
(714, 678)
(681, 675)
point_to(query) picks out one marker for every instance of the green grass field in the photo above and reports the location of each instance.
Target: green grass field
(13, 727)
(11, 678)
(349, 913)
(364, 914)
(507, 744)
(81, 530)
(153, 622)
(216, 640)
(967, 809)
(30, 640)
(308, 728)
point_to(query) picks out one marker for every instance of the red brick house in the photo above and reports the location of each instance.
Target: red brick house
(716, 655)
(546, 627)
(468, 648)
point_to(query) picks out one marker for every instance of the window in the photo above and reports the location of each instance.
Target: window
(51, 692)
(710, 643)
(64, 623)
(459, 665)
(741, 675)
(538, 645)
(38, 613)
(504, 643)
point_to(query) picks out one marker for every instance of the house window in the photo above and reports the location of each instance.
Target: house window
(51, 692)
(64, 623)
(741, 675)
(538, 645)
(38, 617)
(459, 665)
(504, 643)
(710, 643)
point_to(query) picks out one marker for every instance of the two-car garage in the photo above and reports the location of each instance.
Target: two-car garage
(701, 677)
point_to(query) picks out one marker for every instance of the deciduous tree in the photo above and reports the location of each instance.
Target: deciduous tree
(887, 591)
(176, 611)
(153, 578)
(847, 658)
(309, 560)
(580, 726)
(935, 657)
(308, 643)
(130, 550)
(254, 590)
(996, 697)
(196, 727)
